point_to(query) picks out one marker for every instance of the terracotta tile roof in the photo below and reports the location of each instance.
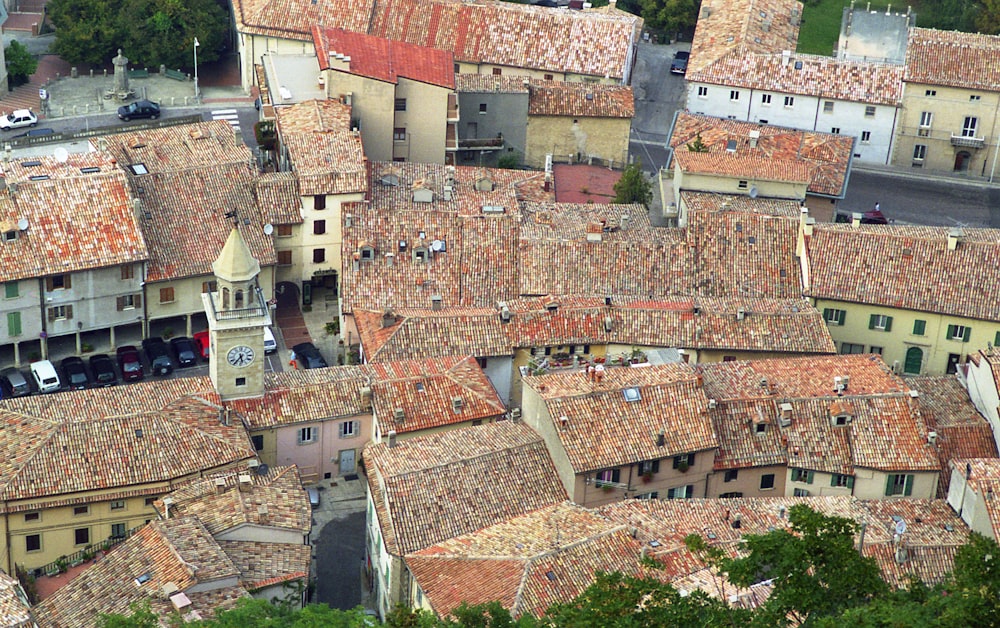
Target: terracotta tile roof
(822, 160)
(94, 227)
(984, 479)
(294, 19)
(278, 198)
(604, 430)
(584, 100)
(384, 59)
(56, 445)
(431, 488)
(808, 75)
(908, 268)
(760, 26)
(961, 431)
(221, 509)
(178, 148)
(710, 201)
(739, 445)
(426, 390)
(263, 564)
(932, 565)
(491, 83)
(15, 610)
(304, 396)
(427, 333)
(527, 563)
(164, 551)
(325, 154)
(963, 60)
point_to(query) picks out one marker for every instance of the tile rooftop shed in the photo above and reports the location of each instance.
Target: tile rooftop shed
(326, 154)
(383, 59)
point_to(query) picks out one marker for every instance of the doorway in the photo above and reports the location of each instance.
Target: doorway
(962, 161)
(347, 465)
(914, 360)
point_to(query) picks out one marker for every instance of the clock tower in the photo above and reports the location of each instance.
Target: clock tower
(237, 314)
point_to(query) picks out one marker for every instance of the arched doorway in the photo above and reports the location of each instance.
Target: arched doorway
(962, 161)
(287, 294)
(914, 360)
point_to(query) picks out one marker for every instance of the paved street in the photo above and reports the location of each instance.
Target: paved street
(658, 94)
(338, 539)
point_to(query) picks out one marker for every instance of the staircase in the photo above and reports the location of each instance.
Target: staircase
(26, 96)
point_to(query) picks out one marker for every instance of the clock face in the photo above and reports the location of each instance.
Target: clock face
(240, 355)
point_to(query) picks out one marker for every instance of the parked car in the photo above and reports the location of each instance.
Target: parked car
(680, 63)
(313, 493)
(13, 383)
(35, 133)
(17, 119)
(45, 376)
(103, 369)
(139, 109)
(309, 356)
(158, 356)
(184, 350)
(201, 341)
(75, 373)
(270, 344)
(130, 363)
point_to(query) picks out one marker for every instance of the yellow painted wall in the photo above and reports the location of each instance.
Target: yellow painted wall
(372, 104)
(425, 121)
(748, 482)
(604, 138)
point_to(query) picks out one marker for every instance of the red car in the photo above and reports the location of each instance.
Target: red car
(130, 363)
(202, 342)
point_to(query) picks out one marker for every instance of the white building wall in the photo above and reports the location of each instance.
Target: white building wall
(983, 393)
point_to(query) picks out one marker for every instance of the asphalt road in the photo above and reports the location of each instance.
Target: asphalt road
(340, 553)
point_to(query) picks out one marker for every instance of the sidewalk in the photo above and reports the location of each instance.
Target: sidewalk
(901, 172)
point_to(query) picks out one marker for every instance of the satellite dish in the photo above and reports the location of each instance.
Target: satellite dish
(268, 229)
(900, 527)
(437, 245)
(61, 154)
(262, 469)
(22, 224)
(753, 191)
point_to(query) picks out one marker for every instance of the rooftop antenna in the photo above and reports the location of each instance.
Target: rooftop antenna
(236, 219)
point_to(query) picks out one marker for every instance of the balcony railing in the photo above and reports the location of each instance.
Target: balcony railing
(968, 141)
(63, 563)
(490, 143)
(256, 310)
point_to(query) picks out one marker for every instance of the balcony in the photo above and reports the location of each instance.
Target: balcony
(451, 137)
(256, 307)
(452, 107)
(490, 143)
(964, 141)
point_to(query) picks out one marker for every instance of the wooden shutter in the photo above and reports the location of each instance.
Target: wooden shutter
(888, 323)
(121, 303)
(996, 340)
(52, 314)
(841, 316)
(49, 286)
(138, 300)
(69, 312)
(888, 485)
(951, 332)
(827, 314)
(13, 323)
(908, 487)
(833, 479)
(850, 482)
(656, 466)
(968, 334)
(871, 321)
(809, 477)
(67, 282)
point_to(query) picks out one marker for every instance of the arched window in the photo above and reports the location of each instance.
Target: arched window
(239, 300)
(225, 298)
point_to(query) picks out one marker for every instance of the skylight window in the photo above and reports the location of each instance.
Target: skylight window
(138, 169)
(632, 394)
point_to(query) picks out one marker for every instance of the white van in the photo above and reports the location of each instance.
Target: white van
(45, 376)
(270, 346)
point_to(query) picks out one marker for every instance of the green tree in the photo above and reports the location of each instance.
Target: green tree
(21, 64)
(670, 16)
(697, 146)
(815, 569)
(140, 616)
(633, 187)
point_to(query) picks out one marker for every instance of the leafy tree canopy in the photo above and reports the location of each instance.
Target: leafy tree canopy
(633, 187)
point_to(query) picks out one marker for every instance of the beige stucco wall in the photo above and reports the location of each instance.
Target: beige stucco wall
(425, 121)
(187, 296)
(372, 105)
(870, 484)
(748, 482)
(251, 48)
(604, 138)
(587, 494)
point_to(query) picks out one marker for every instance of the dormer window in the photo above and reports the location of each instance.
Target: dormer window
(367, 254)
(421, 254)
(760, 428)
(9, 236)
(841, 420)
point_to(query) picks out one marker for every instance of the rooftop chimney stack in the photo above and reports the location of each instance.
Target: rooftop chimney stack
(954, 238)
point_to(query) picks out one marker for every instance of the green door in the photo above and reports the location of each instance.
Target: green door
(914, 359)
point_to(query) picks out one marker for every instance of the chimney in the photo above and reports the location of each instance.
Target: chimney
(754, 136)
(436, 302)
(388, 318)
(595, 232)
(366, 399)
(389, 258)
(786, 56)
(741, 314)
(563, 421)
(262, 513)
(457, 404)
(547, 185)
(504, 314)
(712, 403)
(785, 418)
(856, 219)
(392, 438)
(398, 415)
(954, 237)
(808, 225)
(245, 482)
(660, 439)
(220, 486)
(608, 323)
(167, 503)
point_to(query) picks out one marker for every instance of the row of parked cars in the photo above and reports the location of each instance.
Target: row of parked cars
(163, 358)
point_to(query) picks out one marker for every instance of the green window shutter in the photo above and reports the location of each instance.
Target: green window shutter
(809, 477)
(13, 323)
(888, 485)
(850, 482)
(968, 334)
(833, 479)
(951, 332)
(10, 289)
(871, 321)
(827, 314)
(888, 323)
(841, 316)
(996, 340)
(908, 488)
(919, 327)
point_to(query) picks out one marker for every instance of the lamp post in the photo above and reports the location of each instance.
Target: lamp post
(196, 44)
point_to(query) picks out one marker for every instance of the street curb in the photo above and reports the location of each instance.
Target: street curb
(889, 171)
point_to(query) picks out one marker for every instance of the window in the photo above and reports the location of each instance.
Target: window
(166, 295)
(684, 461)
(847, 348)
(608, 475)
(732, 495)
(926, 118)
(880, 322)
(284, 258)
(482, 107)
(118, 504)
(258, 441)
(866, 137)
(734, 95)
(33, 543)
(835, 130)
(975, 97)
(969, 126)
(241, 381)
(128, 271)
(350, 429)
(59, 282)
(841, 480)
(548, 77)
(743, 185)
(760, 428)
(930, 92)
(919, 152)
(32, 516)
(919, 327)
(954, 360)
(650, 495)
(129, 302)
(681, 492)
(400, 104)
(765, 99)
(834, 317)
(649, 467)
(789, 101)
(209, 286)
(9, 236)
(497, 71)
(702, 91)
(319, 227)
(827, 106)
(10, 290)
(284, 231)
(767, 481)
(730, 475)
(899, 484)
(307, 435)
(319, 201)
(81, 510)
(875, 350)
(13, 323)
(870, 111)
(802, 475)
(60, 313)
(996, 339)
(959, 332)
(319, 256)
(150, 501)
(117, 530)
(81, 536)
(800, 492)
(399, 134)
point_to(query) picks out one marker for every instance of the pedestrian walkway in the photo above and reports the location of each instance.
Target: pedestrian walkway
(229, 115)
(26, 96)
